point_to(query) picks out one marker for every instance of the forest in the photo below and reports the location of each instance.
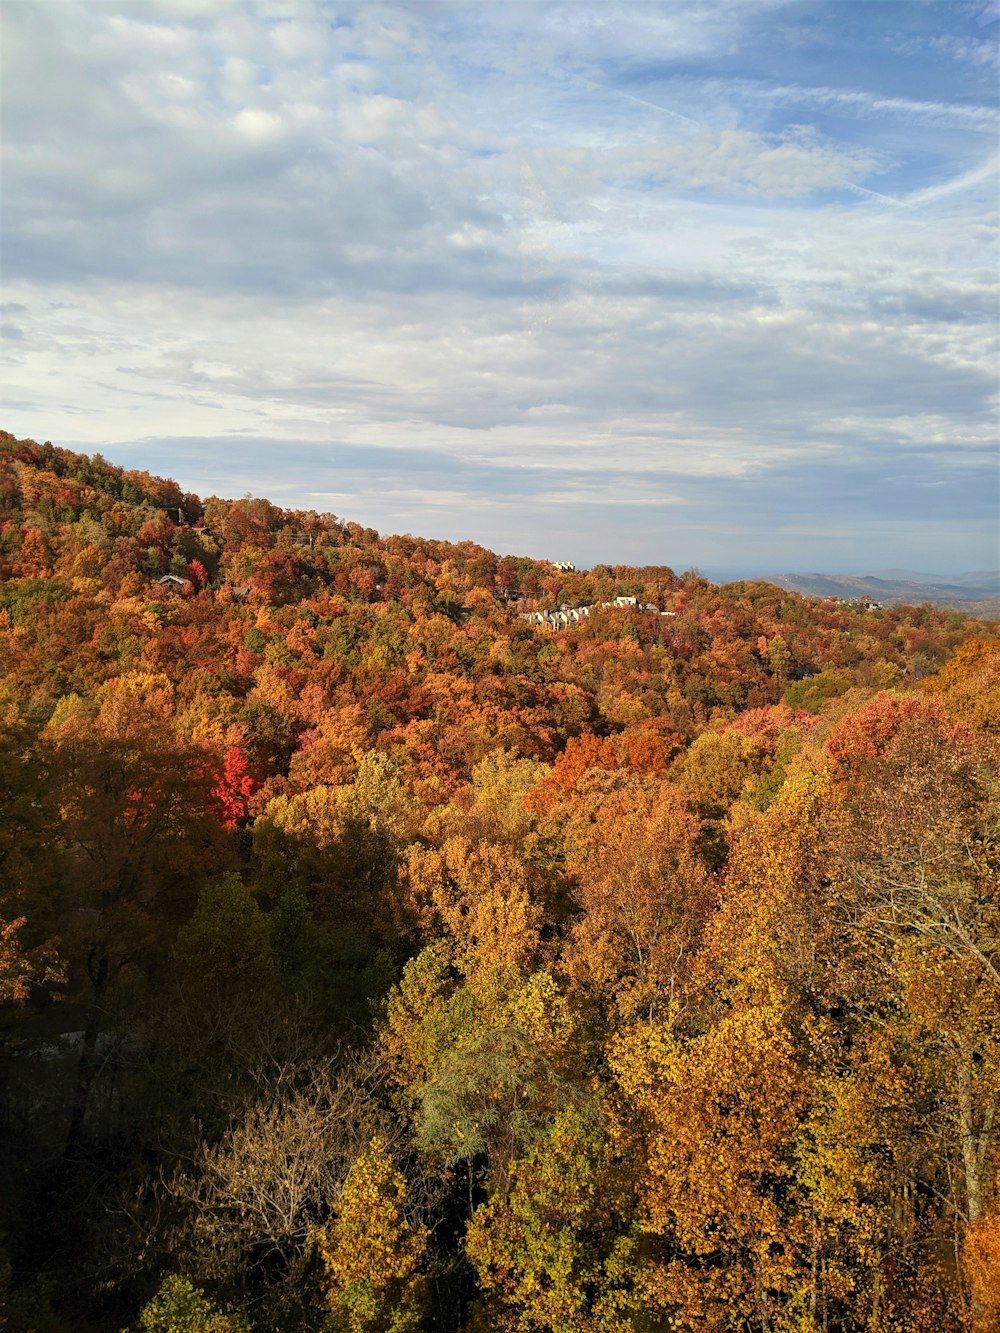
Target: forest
(373, 960)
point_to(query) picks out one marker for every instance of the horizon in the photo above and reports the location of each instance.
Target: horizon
(701, 285)
(717, 574)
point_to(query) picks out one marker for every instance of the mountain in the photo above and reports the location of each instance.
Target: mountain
(977, 592)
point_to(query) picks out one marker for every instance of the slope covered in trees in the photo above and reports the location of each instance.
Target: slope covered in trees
(373, 959)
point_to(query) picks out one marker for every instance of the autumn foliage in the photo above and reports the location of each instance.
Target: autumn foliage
(374, 959)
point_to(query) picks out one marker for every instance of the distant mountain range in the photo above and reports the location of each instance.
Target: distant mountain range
(977, 593)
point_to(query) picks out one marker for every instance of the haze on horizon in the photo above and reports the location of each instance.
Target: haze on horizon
(702, 283)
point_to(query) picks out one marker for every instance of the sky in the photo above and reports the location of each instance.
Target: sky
(706, 283)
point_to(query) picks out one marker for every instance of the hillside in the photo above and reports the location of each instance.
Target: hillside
(372, 957)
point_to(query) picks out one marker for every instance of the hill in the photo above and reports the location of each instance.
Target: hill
(372, 956)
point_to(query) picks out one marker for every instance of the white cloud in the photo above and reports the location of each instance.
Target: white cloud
(979, 52)
(730, 159)
(553, 239)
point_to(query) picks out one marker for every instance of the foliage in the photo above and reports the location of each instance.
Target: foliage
(423, 967)
(553, 1254)
(180, 1307)
(373, 1253)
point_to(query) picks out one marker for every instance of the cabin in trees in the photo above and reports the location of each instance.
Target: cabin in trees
(174, 583)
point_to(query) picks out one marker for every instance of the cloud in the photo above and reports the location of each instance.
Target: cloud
(727, 160)
(309, 159)
(544, 261)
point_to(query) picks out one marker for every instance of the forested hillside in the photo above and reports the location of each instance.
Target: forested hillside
(373, 959)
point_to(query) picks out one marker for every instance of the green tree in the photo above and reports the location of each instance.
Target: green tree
(227, 943)
(554, 1254)
(181, 1307)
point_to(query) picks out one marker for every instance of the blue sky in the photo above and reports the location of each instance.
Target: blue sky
(706, 282)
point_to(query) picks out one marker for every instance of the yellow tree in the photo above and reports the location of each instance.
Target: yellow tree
(712, 1122)
(374, 1251)
(852, 1154)
(478, 897)
(969, 685)
(914, 818)
(710, 1104)
(981, 1264)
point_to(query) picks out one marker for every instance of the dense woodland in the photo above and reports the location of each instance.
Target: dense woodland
(371, 959)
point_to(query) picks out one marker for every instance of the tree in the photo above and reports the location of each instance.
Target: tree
(644, 895)
(981, 1263)
(226, 946)
(711, 1123)
(554, 1254)
(180, 1307)
(374, 1252)
(21, 968)
(479, 896)
(914, 822)
(969, 685)
(488, 1100)
(235, 788)
(778, 654)
(254, 1199)
(133, 808)
(481, 1063)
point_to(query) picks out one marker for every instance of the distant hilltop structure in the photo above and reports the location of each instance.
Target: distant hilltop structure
(566, 566)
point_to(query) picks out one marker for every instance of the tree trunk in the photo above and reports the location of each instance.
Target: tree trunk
(85, 1071)
(973, 1144)
(98, 971)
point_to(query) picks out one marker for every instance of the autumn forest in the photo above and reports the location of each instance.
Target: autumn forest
(374, 959)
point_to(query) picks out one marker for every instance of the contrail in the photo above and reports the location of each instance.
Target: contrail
(639, 101)
(874, 194)
(918, 198)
